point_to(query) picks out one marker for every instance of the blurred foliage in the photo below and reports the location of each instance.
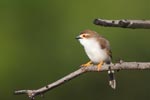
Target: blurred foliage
(37, 47)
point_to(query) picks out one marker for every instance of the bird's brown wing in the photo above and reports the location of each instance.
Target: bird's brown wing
(105, 45)
(109, 53)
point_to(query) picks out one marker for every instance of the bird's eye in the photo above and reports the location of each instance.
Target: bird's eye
(84, 35)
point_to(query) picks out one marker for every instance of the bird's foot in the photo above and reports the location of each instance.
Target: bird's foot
(87, 64)
(100, 65)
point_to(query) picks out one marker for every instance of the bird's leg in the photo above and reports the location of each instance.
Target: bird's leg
(87, 64)
(100, 65)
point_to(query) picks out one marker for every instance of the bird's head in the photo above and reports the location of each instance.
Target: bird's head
(86, 34)
(87, 37)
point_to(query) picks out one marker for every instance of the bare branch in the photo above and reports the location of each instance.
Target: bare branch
(134, 24)
(118, 66)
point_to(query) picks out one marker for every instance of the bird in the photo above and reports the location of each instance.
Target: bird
(98, 51)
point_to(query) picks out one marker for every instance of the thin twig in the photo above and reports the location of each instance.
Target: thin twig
(134, 24)
(118, 66)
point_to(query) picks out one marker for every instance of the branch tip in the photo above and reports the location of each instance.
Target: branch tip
(123, 23)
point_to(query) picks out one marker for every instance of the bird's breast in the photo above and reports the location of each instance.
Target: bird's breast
(94, 51)
(96, 54)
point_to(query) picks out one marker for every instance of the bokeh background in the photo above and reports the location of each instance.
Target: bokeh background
(38, 46)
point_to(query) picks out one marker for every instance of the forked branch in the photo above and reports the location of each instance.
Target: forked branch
(134, 24)
(118, 66)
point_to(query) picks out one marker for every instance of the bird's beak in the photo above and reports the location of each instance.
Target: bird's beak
(78, 37)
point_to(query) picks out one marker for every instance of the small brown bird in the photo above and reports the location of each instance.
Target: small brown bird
(98, 50)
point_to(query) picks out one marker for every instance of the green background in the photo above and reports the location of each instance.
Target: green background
(38, 46)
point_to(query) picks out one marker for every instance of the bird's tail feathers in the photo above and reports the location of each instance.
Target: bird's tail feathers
(112, 80)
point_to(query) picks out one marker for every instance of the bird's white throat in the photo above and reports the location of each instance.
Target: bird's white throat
(94, 50)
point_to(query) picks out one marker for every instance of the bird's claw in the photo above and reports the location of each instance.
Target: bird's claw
(86, 64)
(99, 65)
